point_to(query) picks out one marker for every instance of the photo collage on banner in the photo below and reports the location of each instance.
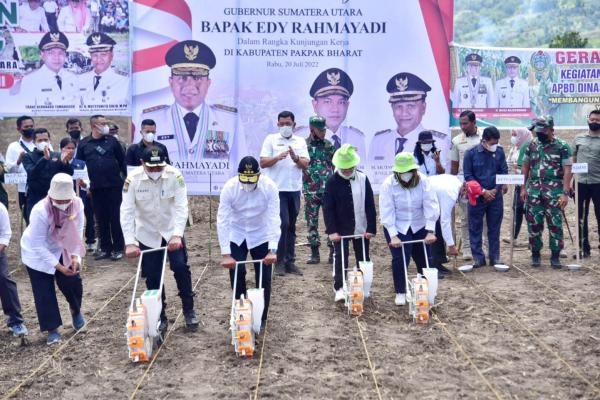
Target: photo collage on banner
(214, 76)
(508, 87)
(65, 58)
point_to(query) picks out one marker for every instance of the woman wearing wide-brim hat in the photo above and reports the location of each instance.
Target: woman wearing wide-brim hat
(348, 209)
(408, 211)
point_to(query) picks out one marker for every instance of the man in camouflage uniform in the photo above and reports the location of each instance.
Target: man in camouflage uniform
(547, 170)
(314, 177)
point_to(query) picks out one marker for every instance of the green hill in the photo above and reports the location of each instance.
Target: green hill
(527, 23)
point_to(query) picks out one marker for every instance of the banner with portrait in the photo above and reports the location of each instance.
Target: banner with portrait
(281, 56)
(508, 87)
(70, 61)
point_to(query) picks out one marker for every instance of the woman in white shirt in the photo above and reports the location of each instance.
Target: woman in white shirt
(408, 211)
(51, 248)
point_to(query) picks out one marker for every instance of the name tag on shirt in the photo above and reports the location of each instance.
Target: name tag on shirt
(510, 179)
(579, 168)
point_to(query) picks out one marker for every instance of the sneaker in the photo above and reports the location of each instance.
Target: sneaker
(339, 295)
(116, 255)
(78, 321)
(563, 254)
(443, 270)
(292, 268)
(91, 247)
(467, 257)
(479, 264)
(191, 321)
(18, 330)
(53, 337)
(101, 255)
(400, 299)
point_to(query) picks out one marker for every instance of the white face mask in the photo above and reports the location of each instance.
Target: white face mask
(41, 146)
(492, 147)
(427, 146)
(63, 206)
(248, 187)
(149, 137)
(406, 176)
(286, 131)
(513, 140)
(347, 177)
(104, 129)
(154, 175)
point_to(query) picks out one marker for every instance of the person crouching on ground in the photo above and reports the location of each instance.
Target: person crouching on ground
(348, 209)
(248, 221)
(408, 211)
(51, 248)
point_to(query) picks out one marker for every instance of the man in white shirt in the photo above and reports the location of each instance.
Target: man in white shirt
(32, 17)
(15, 153)
(248, 221)
(103, 85)
(154, 213)
(283, 157)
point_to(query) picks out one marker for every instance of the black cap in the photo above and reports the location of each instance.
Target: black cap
(425, 136)
(249, 166)
(154, 157)
(473, 58)
(190, 57)
(405, 86)
(512, 60)
(99, 41)
(54, 39)
(332, 81)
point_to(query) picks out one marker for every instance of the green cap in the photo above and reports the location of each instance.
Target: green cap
(345, 157)
(541, 123)
(317, 121)
(404, 162)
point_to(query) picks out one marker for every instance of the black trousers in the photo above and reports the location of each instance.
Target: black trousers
(107, 203)
(289, 207)
(358, 255)
(438, 248)
(587, 192)
(23, 205)
(8, 294)
(240, 253)
(178, 262)
(88, 209)
(44, 295)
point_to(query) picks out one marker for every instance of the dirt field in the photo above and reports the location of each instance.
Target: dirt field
(524, 334)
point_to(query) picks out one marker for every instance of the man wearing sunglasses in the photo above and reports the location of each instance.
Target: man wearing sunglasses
(248, 221)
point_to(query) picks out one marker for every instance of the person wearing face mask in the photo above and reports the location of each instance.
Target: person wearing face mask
(51, 249)
(15, 153)
(348, 209)
(519, 140)
(283, 157)
(41, 165)
(248, 221)
(586, 149)
(320, 168)
(135, 150)
(482, 163)
(408, 211)
(547, 172)
(154, 213)
(105, 160)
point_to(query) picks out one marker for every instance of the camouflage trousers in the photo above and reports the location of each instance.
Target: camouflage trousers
(312, 204)
(542, 202)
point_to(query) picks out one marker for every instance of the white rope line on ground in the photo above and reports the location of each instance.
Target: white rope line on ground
(585, 309)
(260, 362)
(14, 391)
(151, 363)
(461, 349)
(371, 367)
(533, 335)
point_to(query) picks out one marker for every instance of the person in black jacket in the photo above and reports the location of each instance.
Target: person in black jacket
(105, 160)
(135, 151)
(41, 165)
(348, 209)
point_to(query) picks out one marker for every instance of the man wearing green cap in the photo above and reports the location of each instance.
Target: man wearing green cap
(547, 171)
(348, 209)
(320, 168)
(408, 211)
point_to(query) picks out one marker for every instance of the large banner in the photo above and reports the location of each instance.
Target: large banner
(72, 59)
(508, 87)
(213, 75)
